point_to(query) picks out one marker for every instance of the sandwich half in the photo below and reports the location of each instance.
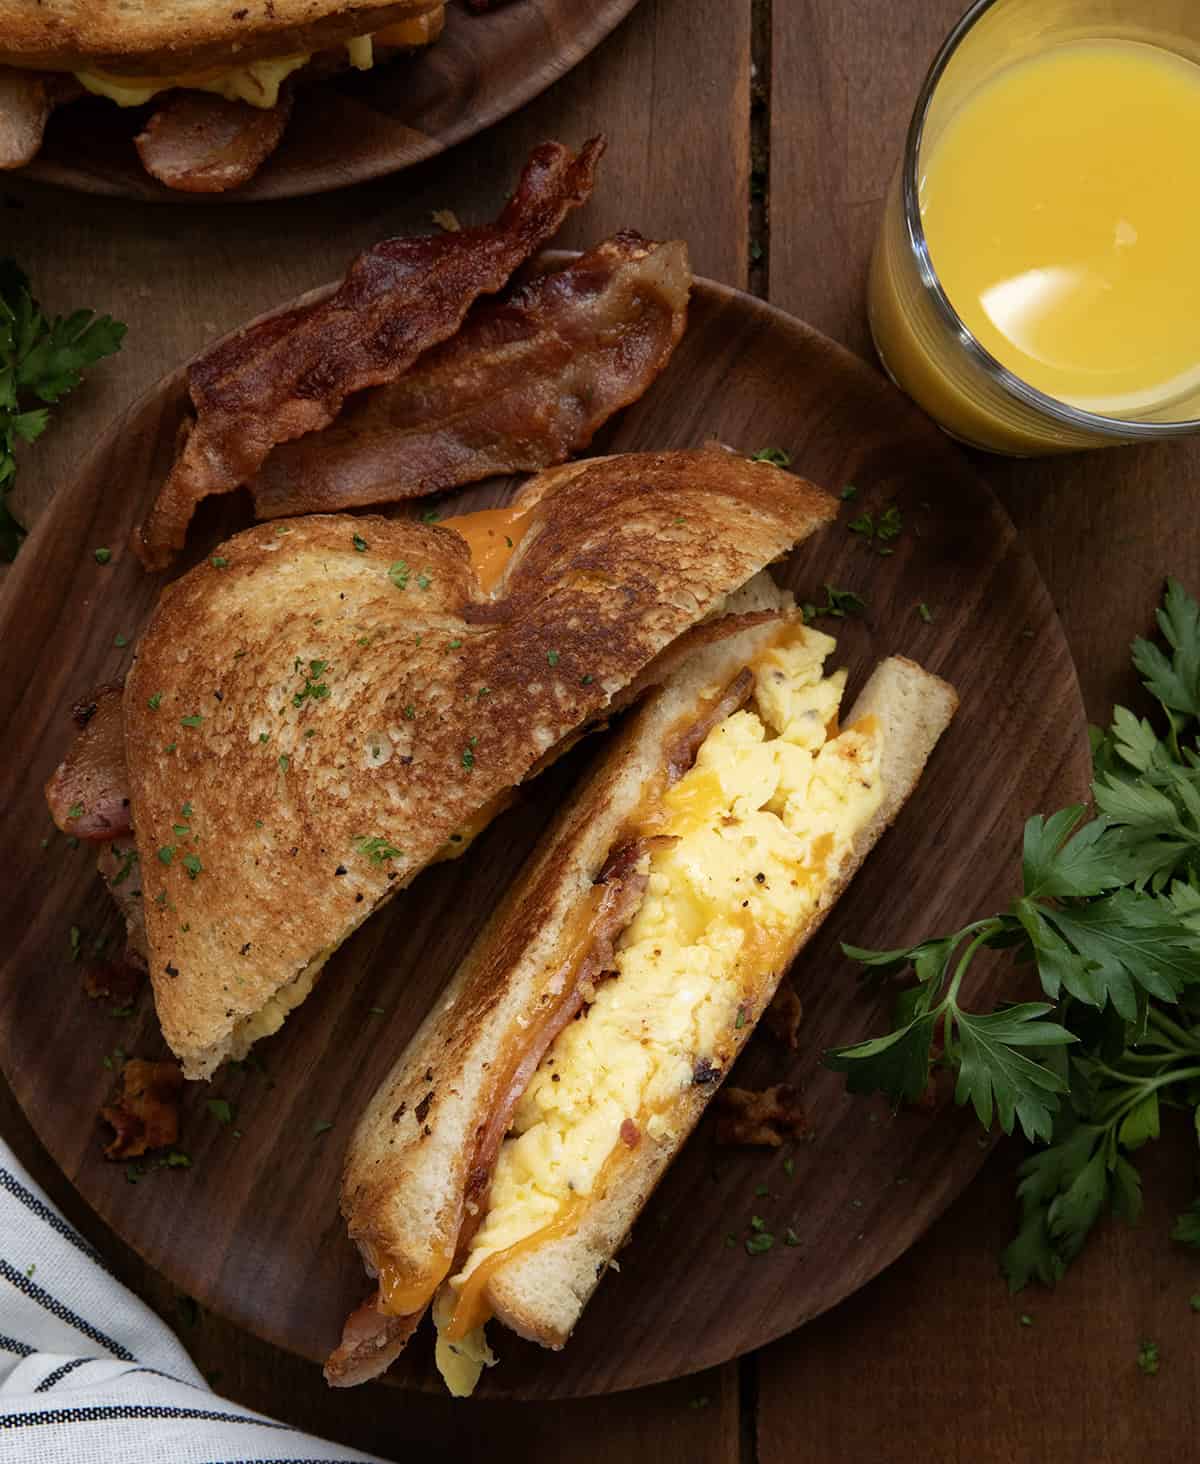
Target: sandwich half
(325, 707)
(221, 77)
(503, 1161)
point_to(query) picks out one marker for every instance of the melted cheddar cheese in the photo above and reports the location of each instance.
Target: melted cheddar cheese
(256, 82)
(758, 828)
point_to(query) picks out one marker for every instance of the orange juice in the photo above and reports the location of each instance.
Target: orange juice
(1059, 202)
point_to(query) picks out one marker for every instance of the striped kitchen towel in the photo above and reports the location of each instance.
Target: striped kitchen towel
(89, 1375)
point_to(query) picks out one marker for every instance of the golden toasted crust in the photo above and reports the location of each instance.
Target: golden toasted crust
(407, 1165)
(166, 37)
(339, 703)
(542, 1292)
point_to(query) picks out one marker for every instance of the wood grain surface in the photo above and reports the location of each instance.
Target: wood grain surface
(930, 1360)
(359, 126)
(860, 1191)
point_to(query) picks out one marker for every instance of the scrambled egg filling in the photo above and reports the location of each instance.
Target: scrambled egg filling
(257, 82)
(759, 827)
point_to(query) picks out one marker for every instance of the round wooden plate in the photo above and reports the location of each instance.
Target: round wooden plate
(481, 69)
(251, 1229)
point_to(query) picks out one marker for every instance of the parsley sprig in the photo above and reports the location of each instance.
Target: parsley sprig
(41, 360)
(1110, 916)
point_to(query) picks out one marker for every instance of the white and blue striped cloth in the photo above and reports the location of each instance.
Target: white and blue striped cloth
(89, 1375)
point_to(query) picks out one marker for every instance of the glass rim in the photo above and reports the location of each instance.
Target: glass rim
(1118, 428)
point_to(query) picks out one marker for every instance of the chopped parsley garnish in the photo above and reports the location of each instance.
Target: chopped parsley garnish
(377, 849)
(313, 689)
(454, 644)
(399, 573)
(155, 701)
(220, 562)
(773, 455)
(264, 737)
(424, 580)
(848, 492)
(170, 747)
(285, 762)
(360, 544)
(552, 658)
(878, 532)
(193, 721)
(74, 940)
(838, 604)
(586, 680)
(790, 1237)
(430, 516)
(75, 810)
(789, 1166)
(102, 555)
(166, 854)
(1148, 1358)
(375, 1011)
(120, 641)
(191, 862)
(924, 612)
(410, 712)
(322, 1126)
(468, 759)
(221, 1109)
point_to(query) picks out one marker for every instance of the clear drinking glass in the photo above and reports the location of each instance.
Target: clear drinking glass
(922, 341)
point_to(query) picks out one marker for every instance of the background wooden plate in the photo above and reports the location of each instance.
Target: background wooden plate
(251, 1229)
(482, 68)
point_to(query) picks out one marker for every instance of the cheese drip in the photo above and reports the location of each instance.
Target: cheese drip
(761, 826)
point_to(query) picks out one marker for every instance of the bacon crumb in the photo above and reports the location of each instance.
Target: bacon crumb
(760, 1117)
(144, 1113)
(119, 980)
(782, 1018)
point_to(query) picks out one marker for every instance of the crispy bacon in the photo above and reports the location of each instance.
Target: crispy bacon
(290, 374)
(783, 1017)
(761, 1117)
(525, 383)
(88, 792)
(144, 1113)
(24, 110)
(117, 981)
(199, 143)
(371, 1341)
(682, 756)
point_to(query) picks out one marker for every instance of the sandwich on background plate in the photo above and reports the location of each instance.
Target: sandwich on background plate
(222, 79)
(327, 706)
(501, 1164)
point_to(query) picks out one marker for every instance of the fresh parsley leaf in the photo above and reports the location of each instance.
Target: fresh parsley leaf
(41, 360)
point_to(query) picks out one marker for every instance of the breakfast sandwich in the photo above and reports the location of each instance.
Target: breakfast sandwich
(221, 79)
(501, 1164)
(326, 706)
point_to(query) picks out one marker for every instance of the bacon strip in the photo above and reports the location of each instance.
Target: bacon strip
(682, 755)
(371, 1341)
(24, 111)
(198, 143)
(88, 792)
(290, 374)
(526, 382)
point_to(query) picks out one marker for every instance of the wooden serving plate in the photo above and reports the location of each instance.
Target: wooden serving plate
(481, 69)
(251, 1229)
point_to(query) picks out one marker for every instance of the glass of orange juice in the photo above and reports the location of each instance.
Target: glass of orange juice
(1036, 281)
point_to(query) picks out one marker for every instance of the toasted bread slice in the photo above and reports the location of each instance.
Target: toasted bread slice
(415, 1172)
(327, 706)
(174, 37)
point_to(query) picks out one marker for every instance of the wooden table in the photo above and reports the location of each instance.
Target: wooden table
(764, 134)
